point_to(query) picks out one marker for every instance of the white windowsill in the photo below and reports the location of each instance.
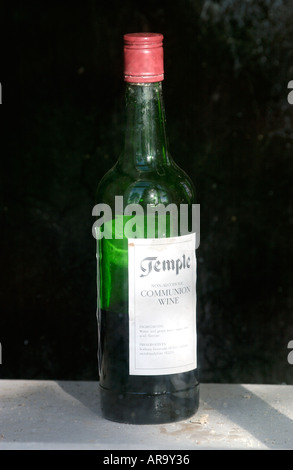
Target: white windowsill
(66, 415)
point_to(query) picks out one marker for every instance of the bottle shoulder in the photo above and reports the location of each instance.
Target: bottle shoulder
(164, 185)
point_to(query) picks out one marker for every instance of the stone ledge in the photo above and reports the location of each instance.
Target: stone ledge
(66, 415)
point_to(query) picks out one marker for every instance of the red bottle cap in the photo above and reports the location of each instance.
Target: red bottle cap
(143, 57)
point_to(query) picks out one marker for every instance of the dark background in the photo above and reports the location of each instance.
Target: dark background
(227, 68)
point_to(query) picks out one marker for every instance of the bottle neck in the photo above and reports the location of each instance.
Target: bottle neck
(145, 135)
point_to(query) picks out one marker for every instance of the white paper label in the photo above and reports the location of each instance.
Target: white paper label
(162, 305)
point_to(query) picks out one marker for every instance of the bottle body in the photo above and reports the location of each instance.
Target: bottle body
(146, 281)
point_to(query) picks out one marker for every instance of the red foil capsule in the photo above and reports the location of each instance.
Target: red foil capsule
(143, 57)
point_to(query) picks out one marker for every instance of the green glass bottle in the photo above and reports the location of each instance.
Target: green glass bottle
(146, 260)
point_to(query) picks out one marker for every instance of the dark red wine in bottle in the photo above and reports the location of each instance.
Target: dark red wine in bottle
(146, 253)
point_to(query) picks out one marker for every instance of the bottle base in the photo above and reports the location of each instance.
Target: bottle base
(142, 408)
